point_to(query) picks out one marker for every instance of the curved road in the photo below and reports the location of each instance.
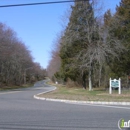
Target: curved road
(20, 111)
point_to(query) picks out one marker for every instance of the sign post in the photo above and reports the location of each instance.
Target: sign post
(115, 84)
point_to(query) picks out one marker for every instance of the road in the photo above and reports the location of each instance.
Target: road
(20, 111)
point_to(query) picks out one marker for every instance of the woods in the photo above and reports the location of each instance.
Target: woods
(93, 49)
(16, 62)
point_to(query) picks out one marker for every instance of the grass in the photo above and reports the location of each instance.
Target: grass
(80, 94)
(6, 88)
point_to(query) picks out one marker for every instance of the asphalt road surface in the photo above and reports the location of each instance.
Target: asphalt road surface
(20, 111)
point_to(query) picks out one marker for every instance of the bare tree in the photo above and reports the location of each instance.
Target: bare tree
(15, 57)
(100, 49)
(55, 61)
(98, 45)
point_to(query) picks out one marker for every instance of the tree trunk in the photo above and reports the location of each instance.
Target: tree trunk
(100, 74)
(24, 76)
(84, 80)
(90, 80)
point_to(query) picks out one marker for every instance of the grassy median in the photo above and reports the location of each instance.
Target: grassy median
(80, 94)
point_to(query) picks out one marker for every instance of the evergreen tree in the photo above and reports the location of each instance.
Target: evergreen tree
(74, 40)
(121, 20)
(87, 45)
(107, 18)
(123, 15)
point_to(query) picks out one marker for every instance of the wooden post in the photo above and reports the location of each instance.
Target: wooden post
(119, 86)
(110, 88)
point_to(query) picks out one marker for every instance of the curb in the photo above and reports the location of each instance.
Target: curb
(78, 102)
(83, 102)
(42, 98)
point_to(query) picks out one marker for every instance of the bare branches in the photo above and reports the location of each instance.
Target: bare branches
(15, 58)
(55, 61)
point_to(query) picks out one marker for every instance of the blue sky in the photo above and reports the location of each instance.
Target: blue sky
(37, 26)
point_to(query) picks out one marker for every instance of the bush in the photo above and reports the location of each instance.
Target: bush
(72, 84)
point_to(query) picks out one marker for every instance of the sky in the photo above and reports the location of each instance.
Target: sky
(37, 26)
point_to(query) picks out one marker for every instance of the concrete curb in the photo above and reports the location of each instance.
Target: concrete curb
(78, 102)
(42, 98)
(82, 102)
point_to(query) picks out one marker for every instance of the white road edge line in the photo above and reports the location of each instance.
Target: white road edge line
(87, 104)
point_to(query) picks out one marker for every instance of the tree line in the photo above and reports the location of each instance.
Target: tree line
(16, 62)
(93, 48)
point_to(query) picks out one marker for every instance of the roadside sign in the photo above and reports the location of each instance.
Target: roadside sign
(115, 84)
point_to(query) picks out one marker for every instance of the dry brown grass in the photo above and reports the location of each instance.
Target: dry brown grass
(74, 93)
